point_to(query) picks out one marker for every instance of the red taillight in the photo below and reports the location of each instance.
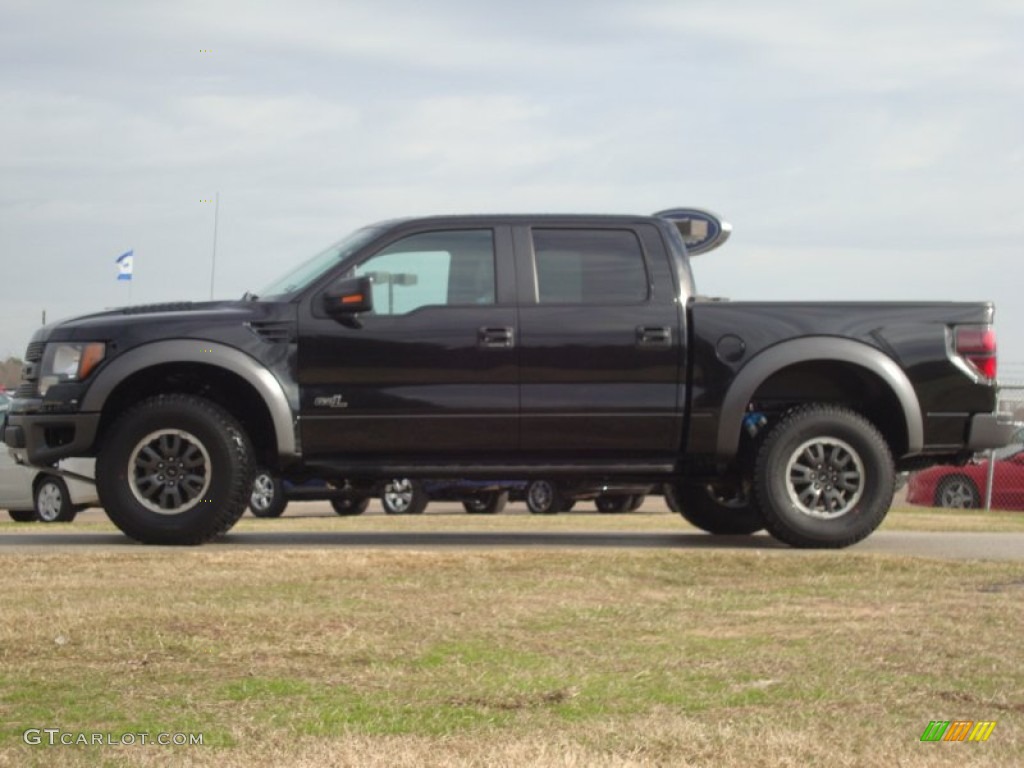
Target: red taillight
(977, 345)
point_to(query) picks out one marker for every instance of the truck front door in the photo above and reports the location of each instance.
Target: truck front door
(432, 369)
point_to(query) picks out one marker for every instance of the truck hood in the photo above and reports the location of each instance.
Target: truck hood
(185, 319)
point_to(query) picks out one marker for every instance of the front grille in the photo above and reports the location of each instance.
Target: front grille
(26, 390)
(34, 353)
(272, 331)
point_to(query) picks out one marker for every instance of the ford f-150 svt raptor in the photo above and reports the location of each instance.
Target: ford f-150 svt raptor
(530, 346)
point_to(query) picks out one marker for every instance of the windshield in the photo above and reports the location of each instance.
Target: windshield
(299, 277)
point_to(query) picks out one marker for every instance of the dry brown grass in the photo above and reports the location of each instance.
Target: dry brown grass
(362, 657)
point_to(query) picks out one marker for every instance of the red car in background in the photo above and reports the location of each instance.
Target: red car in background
(965, 487)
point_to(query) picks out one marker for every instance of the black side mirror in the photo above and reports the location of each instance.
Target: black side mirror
(348, 297)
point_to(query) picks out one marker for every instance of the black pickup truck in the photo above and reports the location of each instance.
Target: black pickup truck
(544, 346)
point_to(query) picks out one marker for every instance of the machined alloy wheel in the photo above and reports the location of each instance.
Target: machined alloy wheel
(826, 477)
(823, 477)
(169, 471)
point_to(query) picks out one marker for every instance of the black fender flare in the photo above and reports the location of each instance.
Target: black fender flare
(811, 349)
(206, 353)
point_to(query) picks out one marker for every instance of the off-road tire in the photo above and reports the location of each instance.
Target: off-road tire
(823, 478)
(717, 510)
(210, 456)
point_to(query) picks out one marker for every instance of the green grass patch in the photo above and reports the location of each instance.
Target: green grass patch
(528, 657)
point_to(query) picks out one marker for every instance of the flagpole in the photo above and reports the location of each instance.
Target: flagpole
(213, 260)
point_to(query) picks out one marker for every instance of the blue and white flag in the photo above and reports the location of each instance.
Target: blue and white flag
(124, 265)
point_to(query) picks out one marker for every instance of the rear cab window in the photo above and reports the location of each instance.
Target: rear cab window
(589, 266)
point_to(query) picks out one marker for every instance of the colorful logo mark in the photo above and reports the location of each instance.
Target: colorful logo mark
(958, 730)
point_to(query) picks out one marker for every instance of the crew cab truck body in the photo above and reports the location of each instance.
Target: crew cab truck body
(513, 346)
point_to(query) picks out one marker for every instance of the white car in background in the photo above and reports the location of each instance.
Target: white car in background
(28, 494)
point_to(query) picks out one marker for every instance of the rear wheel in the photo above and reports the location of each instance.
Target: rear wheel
(957, 492)
(403, 496)
(350, 506)
(53, 501)
(267, 498)
(544, 498)
(486, 503)
(824, 477)
(718, 509)
(22, 515)
(175, 469)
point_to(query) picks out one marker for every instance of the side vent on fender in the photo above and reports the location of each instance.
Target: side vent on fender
(272, 331)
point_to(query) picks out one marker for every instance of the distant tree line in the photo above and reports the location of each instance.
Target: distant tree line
(10, 373)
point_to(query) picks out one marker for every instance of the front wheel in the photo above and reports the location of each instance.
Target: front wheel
(53, 501)
(267, 498)
(175, 469)
(720, 510)
(403, 496)
(824, 477)
(22, 515)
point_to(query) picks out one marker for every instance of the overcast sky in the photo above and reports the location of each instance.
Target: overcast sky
(862, 149)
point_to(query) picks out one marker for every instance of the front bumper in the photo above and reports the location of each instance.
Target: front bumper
(991, 430)
(40, 439)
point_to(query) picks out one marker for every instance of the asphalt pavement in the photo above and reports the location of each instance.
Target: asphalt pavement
(952, 546)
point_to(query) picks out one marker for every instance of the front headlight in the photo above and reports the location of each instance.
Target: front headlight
(69, 362)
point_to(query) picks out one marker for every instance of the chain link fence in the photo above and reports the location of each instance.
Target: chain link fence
(993, 479)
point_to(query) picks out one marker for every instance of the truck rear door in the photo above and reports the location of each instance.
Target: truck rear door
(601, 341)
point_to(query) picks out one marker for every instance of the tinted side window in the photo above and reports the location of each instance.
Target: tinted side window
(432, 269)
(589, 266)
